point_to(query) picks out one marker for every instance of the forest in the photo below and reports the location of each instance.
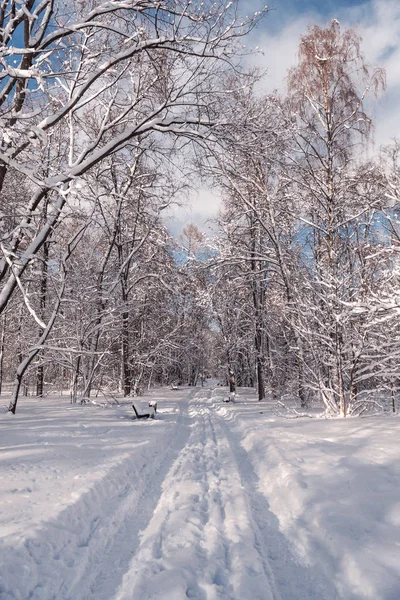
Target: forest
(111, 112)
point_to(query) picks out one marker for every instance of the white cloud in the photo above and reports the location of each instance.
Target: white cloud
(378, 23)
(200, 209)
(379, 28)
(279, 53)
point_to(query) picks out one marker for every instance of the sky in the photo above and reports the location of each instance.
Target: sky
(378, 24)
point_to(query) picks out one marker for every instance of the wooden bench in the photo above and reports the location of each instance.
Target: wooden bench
(143, 415)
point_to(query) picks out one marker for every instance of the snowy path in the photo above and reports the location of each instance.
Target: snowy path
(208, 538)
(208, 501)
(91, 542)
(176, 518)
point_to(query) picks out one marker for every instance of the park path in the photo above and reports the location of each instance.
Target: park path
(179, 515)
(212, 535)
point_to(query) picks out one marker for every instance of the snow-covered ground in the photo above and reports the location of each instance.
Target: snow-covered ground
(207, 501)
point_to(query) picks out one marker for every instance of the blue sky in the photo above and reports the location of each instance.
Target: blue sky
(283, 11)
(376, 21)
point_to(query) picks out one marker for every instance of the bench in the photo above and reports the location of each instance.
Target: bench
(230, 398)
(153, 404)
(143, 415)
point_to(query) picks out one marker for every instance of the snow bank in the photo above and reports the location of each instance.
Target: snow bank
(77, 483)
(334, 486)
(211, 500)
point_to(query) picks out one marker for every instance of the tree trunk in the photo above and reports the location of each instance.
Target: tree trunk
(300, 373)
(300, 382)
(24, 364)
(258, 301)
(393, 397)
(43, 299)
(2, 345)
(260, 379)
(232, 384)
(75, 379)
(126, 370)
(258, 342)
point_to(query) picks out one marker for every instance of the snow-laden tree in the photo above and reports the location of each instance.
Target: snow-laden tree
(79, 84)
(301, 206)
(193, 307)
(128, 67)
(255, 222)
(328, 90)
(233, 316)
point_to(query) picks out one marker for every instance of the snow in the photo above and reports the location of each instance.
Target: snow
(209, 501)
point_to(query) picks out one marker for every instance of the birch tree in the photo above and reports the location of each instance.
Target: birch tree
(328, 90)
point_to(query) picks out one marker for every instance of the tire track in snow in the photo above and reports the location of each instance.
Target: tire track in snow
(249, 570)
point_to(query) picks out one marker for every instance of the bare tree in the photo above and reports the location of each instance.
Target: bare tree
(135, 67)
